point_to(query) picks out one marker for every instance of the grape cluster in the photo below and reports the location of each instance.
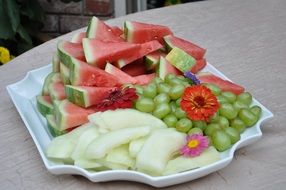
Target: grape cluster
(162, 99)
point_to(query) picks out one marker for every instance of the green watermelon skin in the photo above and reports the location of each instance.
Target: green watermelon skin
(137, 32)
(50, 78)
(44, 105)
(53, 127)
(64, 73)
(57, 91)
(192, 49)
(56, 63)
(86, 96)
(83, 74)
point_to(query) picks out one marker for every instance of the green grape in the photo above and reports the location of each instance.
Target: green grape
(237, 124)
(179, 113)
(211, 128)
(163, 88)
(145, 104)
(195, 130)
(184, 125)
(170, 120)
(221, 140)
(150, 91)
(157, 80)
(214, 118)
(139, 89)
(221, 99)
(245, 97)
(215, 89)
(175, 81)
(176, 91)
(169, 77)
(161, 98)
(231, 97)
(178, 102)
(200, 124)
(223, 122)
(227, 110)
(233, 134)
(239, 105)
(247, 117)
(161, 110)
(256, 110)
(186, 84)
(173, 106)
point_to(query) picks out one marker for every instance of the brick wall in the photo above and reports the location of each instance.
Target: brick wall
(65, 17)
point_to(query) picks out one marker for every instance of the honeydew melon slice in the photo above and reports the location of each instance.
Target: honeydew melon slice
(124, 118)
(44, 105)
(56, 63)
(53, 127)
(64, 73)
(135, 146)
(102, 145)
(87, 163)
(50, 78)
(183, 163)
(120, 155)
(158, 149)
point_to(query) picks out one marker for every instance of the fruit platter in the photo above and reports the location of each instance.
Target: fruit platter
(135, 103)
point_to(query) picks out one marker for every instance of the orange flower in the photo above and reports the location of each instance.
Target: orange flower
(199, 103)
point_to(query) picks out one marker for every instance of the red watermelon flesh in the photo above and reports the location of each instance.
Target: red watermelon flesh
(189, 47)
(71, 49)
(57, 91)
(224, 85)
(77, 38)
(116, 30)
(145, 79)
(122, 76)
(137, 32)
(83, 74)
(134, 69)
(200, 64)
(145, 49)
(98, 52)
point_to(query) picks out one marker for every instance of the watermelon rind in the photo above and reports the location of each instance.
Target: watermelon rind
(91, 28)
(180, 59)
(64, 56)
(52, 77)
(56, 63)
(128, 28)
(53, 127)
(64, 73)
(87, 50)
(55, 92)
(77, 95)
(150, 62)
(168, 45)
(43, 106)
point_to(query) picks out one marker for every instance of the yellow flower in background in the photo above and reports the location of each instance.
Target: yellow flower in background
(4, 55)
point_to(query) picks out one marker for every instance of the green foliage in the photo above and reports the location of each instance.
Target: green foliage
(20, 22)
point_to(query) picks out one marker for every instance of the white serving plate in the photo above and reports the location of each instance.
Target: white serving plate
(23, 95)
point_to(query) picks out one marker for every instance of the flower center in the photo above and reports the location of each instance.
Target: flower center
(199, 101)
(193, 143)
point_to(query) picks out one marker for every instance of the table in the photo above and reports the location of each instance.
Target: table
(246, 40)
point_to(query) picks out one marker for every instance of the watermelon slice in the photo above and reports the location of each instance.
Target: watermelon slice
(145, 49)
(99, 30)
(192, 49)
(116, 30)
(83, 74)
(152, 60)
(134, 69)
(57, 91)
(200, 64)
(44, 105)
(122, 76)
(136, 32)
(145, 79)
(180, 59)
(56, 63)
(52, 126)
(85, 96)
(50, 78)
(77, 38)
(224, 85)
(165, 68)
(67, 50)
(64, 73)
(69, 115)
(98, 52)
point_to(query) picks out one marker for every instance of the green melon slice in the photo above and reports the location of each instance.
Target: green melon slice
(83, 74)
(44, 105)
(56, 63)
(53, 127)
(57, 90)
(180, 59)
(69, 115)
(86, 96)
(50, 78)
(165, 68)
(120, 155)
(65, 73)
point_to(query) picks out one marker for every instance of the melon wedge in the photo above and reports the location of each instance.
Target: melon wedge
(64, 73)
(135, 68)
(44, 105)
(165, 68)
(56, 63)
(120, 75)
(145, 79)
(116, 30)
(199, 65)
(152, 60)
(53, 127)
(50, 78)
(77, 38)
(57, 91)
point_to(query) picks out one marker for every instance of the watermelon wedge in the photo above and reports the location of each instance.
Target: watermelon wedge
(77, 38)
(152, 60)
(57, 91)
(83, 74)
(67, 50)
(56, 63)
(116, 30)
(52, 126)
(120, 75)
(44, 105)
(145, 49)
(135, 68)
(50, 78)
(69, 115)
(136, 32)
(98, 52)
(224, 85)
(189, 47)
(200, 64)
(64, 73)
(145, 79)
(99, 30)
(86, 96)
(165, 68)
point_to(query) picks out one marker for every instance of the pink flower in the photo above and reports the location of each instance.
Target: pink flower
(195, 145)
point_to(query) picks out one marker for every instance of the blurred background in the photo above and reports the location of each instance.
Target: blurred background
(25, 24)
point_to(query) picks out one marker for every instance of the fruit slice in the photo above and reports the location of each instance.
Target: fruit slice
(120, 155)
(68, 50)
(52, 126)
(180, 59)
(145, 49)
(200, 64)
(224, 85)
(116, 30)
(69, 115)
(192, 49)
(98, 52)
(86, 96)
(56, 63)
(57, 91)
(135, 146)
(50, 78)
(77, 38)
(165, 68)
(134, 69)
(120, 75)
(99, 30)
(136, 32)
(65, 73)
(152, 60)
(145, 79)
(83, 74)
(44, 105)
